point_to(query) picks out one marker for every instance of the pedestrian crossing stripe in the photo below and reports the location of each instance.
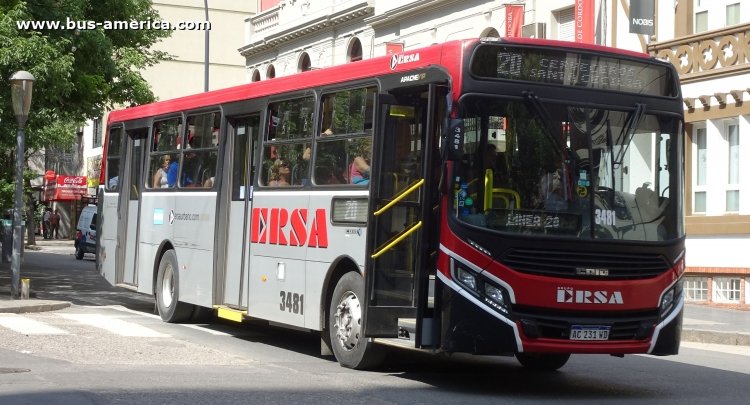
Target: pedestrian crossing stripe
(114, 325)
(28, 326)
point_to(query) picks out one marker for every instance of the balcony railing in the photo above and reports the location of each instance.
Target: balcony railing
(707, 55)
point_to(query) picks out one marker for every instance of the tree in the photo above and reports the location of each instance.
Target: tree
(81, 69)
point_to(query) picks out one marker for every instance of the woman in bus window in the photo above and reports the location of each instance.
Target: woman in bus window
(359, 170)
(160, 177)
(280, 173)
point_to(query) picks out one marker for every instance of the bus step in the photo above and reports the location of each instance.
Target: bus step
(230, 313)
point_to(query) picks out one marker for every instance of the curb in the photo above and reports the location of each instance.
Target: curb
(720, 338)
(42, 306)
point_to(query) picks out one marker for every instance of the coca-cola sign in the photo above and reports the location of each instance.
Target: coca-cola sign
(71, 181)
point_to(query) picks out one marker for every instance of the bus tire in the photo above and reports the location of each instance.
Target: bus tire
(350, 348)
(168, 291)
(543, 361)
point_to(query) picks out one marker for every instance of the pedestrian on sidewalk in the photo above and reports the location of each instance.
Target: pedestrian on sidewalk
(54, 221)
(45, 223)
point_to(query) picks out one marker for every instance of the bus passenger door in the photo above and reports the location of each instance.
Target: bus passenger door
(401, 235)
(129, 205)
(235, 205)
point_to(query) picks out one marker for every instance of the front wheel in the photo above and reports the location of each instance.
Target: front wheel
(543, 362)
(168, 291)
(350, 347)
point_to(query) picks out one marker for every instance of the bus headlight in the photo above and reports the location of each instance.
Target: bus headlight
(495, 294)
(467, 278)
(495, 297)
(668, 299)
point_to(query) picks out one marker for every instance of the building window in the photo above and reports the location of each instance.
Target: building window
(726, 289)
(701, 21)
(696, 289)
(733, 183)
(701, 170)
(303, 65)
(733, 14)
(96, 140)
(566, 25)
(256, 76)
(355, 50)
(270, 72)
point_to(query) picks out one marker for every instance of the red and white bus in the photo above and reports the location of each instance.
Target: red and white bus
(491, 196)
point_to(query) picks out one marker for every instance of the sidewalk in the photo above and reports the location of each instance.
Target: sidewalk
(701, 323)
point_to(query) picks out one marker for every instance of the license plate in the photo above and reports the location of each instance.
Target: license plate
(589, 332)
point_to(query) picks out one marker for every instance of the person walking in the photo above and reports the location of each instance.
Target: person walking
(54, 221)
(45, 223)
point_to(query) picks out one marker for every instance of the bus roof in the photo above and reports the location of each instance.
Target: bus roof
(447, 54)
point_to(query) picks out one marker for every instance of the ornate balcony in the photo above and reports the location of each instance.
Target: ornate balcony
(707, 55)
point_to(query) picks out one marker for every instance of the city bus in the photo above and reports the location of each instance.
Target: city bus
(510, 197)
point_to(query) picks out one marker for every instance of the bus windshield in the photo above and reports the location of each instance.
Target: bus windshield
(568, 170)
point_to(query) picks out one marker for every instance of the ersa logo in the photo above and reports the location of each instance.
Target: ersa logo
(568, 295)
(399, 59)
(279, 226)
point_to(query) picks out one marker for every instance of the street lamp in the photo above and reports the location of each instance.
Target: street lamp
(20, 88)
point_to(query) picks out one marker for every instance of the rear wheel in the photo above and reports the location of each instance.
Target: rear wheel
(351, 349)
(543, 362)
(168, 291)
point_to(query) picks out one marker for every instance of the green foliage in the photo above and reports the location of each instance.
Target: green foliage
(79, 72)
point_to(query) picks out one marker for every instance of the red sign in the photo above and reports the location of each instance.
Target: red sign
(513, 20)
(584, 21)
(50, 175)
(279, 226)
(393, 47)
(66, 188)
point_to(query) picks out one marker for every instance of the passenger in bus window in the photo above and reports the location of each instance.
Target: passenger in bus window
(160, 177)
(172, 169)
(280, 173)
(359, 170)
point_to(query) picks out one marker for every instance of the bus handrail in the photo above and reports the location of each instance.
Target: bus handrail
(400, 197)
(396, 240)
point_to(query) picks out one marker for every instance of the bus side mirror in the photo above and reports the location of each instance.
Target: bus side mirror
(453, 142)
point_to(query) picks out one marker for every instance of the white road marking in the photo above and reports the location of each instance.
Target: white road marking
(152, 316)
(28, 326)
(114, 325)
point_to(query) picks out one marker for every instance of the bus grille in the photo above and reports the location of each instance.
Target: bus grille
(575, 264)
(633, 326)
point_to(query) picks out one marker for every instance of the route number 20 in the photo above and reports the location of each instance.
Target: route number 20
(292, 302)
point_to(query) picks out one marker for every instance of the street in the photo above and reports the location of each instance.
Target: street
(109, 347)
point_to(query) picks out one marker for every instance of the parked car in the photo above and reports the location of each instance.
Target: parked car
(86, 232)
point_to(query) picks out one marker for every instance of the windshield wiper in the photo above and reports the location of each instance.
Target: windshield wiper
(629, 131)
(543, 114)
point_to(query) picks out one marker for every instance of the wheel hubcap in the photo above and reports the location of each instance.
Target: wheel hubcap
(167, 286)
(348, 321)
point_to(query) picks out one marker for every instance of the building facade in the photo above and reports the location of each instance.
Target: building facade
(705, 40)
(184, 74)
(709, 44)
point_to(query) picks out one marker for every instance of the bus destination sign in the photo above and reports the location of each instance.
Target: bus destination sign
(568, 68)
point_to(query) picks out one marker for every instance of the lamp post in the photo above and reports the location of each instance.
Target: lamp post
(20, 87)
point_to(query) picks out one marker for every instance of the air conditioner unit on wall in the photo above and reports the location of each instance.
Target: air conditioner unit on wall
(535, 30)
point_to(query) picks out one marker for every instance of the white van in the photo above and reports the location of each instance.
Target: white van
(86, 232)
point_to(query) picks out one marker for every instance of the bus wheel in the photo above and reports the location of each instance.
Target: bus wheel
(168, 291)
(543, 362)
(345, 325)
